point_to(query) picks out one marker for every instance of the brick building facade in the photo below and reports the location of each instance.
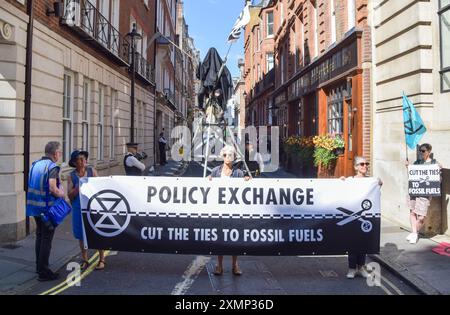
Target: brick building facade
(322, 80)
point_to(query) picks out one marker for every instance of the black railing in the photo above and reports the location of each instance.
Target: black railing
(87, 20)
(144, 69)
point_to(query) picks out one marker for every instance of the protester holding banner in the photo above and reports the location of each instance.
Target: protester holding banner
(78, 160)
(357, 262)
(227, 170)
(419, 205)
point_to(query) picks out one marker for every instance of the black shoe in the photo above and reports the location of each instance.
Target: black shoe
(48, 276)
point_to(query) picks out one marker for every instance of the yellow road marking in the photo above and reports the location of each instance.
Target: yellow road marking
(86, 273)
(64, 284)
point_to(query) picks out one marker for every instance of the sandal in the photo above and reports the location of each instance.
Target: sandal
(101, 265)
(85, 265)
(218, 271)
(237, 271)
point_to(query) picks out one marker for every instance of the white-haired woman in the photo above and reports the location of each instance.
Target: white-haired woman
(227, 170)
(357, 262)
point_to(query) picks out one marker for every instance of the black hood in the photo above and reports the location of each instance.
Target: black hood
(208, 72)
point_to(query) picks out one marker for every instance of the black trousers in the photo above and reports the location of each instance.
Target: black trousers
(356, 260)
(43, 247)
(162, 154)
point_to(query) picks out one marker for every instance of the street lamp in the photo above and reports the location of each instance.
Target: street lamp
(133, 35)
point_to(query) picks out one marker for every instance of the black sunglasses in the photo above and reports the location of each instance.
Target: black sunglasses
(423, 151)
(364, 164)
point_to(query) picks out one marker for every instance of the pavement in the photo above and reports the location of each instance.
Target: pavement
(417, 265)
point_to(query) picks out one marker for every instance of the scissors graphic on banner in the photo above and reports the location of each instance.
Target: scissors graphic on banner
(366, 226)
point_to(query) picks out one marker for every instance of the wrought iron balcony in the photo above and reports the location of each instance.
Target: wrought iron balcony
(170, 96)
(91, 25)
(144, 69)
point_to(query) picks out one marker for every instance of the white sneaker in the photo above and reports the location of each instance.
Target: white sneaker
(410, 236)
(414, 239)
(363, 273)
(351, 274)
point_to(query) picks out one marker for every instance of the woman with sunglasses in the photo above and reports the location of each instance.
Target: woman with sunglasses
(419, 205)
(357, 262)
(227, 170)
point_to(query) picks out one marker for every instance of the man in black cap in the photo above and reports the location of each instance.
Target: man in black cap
(133, 167)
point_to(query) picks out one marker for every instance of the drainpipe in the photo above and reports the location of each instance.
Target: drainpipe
(27, 111)
(155, 139)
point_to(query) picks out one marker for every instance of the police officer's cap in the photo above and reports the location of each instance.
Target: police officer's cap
(132, 145)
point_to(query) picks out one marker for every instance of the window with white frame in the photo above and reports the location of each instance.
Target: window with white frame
(100, 122)
(302, 41)
(333, 22)
(296, 48)
(336, 111)
(351, 7)
(269, 61)
(85, 115)
(444, 17)
(316, 29)
(281, 12)
(67, 116)
(269, 24)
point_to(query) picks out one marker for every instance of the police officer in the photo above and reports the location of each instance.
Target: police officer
(133, 167)
(43, 190)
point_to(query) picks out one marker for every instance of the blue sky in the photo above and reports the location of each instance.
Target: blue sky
(210, 22)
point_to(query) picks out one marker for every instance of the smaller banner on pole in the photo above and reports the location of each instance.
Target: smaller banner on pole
(241, 22)
(414, 126)
(424, 180)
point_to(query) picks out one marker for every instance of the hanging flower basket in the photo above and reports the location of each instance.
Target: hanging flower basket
(327, 150)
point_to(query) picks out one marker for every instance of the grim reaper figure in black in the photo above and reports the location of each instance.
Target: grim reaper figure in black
(216, 88)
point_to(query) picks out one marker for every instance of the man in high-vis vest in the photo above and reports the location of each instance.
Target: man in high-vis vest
(43, 190)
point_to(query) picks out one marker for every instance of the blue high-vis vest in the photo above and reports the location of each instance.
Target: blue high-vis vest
(39, 198)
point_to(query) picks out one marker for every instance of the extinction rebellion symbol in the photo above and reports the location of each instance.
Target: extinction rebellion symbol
(108, 213)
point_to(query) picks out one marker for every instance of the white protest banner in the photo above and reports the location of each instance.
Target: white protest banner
(424, 180)
(231, 216)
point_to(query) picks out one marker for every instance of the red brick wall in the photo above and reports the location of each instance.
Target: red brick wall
(145, 17)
